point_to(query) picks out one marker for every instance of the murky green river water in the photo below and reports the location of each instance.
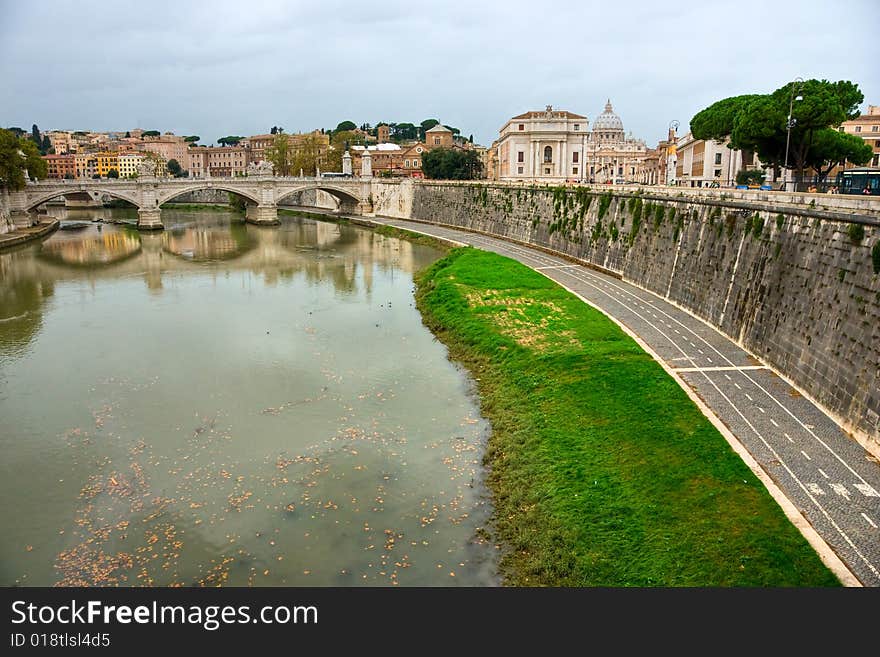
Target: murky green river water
(226, 404)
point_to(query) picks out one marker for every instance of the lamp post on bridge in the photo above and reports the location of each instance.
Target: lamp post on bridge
(797, 83)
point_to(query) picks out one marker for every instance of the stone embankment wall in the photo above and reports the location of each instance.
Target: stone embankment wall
(798, 290)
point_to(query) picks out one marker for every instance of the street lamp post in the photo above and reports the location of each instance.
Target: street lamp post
(796, 84)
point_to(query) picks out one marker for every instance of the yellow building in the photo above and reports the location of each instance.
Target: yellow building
(106, 161)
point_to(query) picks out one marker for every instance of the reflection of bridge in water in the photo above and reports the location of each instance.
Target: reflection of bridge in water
(321, 251)
(262, 194)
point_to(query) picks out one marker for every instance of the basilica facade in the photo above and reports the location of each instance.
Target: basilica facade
(560, 146)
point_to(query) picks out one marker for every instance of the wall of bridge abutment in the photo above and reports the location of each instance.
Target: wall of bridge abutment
(793, 279)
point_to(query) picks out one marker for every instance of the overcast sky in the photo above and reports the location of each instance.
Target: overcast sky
(239, 67)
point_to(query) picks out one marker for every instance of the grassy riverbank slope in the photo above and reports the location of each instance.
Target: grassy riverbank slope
(603, 472)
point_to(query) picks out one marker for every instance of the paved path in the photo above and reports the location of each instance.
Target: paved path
(830, 478)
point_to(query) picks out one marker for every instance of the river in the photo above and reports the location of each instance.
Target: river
(226, 404)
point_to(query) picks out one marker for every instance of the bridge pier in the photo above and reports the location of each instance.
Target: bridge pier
(150, 219)
(262, 215)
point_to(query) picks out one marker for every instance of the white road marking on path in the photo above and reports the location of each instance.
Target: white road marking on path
(773, 422)
(822, 472)
(841, 490)
(787, 436)
(815, 489)
(870, 522)
(867, 490)
(808, 457)
(719, 368)
(749, 397)
(760, 409)
(556, 267)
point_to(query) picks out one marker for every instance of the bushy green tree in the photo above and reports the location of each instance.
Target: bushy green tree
(345, 126)
(759, 122)
(150, 133)
(451, 164)
(17, 156)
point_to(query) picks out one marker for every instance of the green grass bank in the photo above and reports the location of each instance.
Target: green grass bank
(602, 471)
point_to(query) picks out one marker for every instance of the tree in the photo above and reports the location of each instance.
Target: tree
(191, 139)
(68, 176)
(749, 177)
(333, 159)
(174, 168)
(345, 126)
(229, 140)
(19, 156)
(18, 132)
(274, 130)
(280, 154)
(759, 122)
(471, 139)
(36, 136)
(426, 125)
(403, 131)
(45, 145)
(307, 155)
(127, 134)
(831, 147)
(150, 133)
(112, 173)
(451, 164)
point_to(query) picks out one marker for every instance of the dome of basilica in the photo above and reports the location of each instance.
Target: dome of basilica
(608, 120)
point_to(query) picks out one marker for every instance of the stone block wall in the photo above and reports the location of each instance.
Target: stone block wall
(799, 291)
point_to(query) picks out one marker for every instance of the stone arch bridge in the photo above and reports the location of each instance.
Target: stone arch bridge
(148, 194)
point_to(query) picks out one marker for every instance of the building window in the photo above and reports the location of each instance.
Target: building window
(520, 156)
(519, 169)
(406, 163)
(858, 128)
(717, 173)
(546, 171)
(522, 127)
(436, 140)
(548, 155)
(575, 156)
(877, 143)
(574, 171)
(577, 127)
(717, 158)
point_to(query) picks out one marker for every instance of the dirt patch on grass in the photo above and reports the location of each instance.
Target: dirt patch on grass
(527, 321)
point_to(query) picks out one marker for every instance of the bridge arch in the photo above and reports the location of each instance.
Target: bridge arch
(203, 186)
(32, 203)
(345, 197)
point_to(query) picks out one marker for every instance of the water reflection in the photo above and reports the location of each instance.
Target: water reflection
(221, 403)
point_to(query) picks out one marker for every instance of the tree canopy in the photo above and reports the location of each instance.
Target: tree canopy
(150, 133)
(451, 164)
(17, 156)
(229, 140)
(191, 139)
(174, 168)
(345, 126)
(759, 122)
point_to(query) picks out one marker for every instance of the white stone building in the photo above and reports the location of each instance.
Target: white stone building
(558, 146)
